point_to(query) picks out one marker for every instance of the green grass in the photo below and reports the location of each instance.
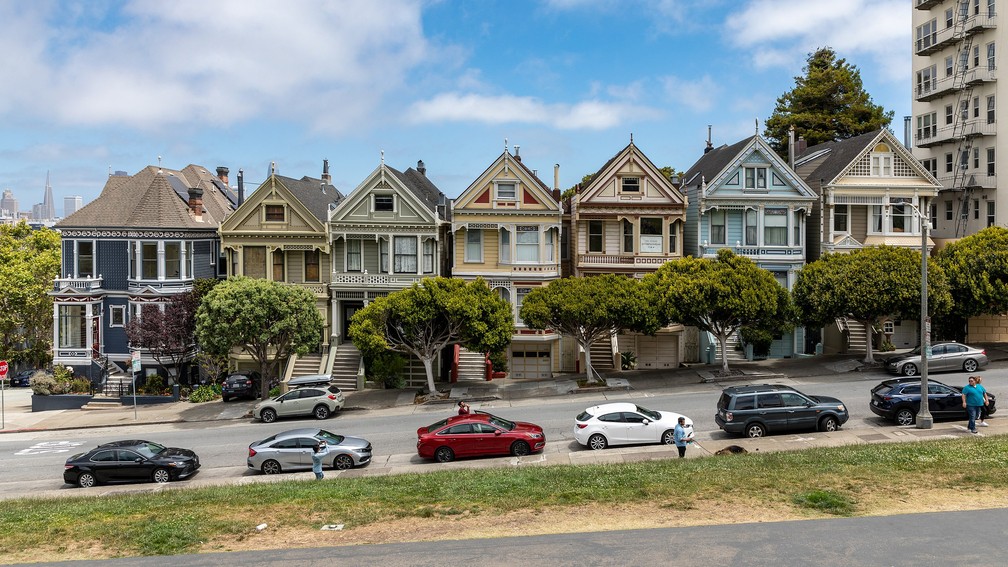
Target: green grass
(830, 481)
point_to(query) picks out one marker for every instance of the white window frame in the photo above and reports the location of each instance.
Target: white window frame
(406, 255)
(359, 253)
(600, 235)
(841, 211)
(504, 256)
(428, 249)
(718, 215)
(631, 184)
(78, 272)
(374, 202)
(117, 315)
(771, 222)
(474, 245)
(755, 178)
(506, 190)
(527, 243)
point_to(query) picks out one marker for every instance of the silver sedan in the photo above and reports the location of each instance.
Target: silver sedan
(945, 357)
(292, 451)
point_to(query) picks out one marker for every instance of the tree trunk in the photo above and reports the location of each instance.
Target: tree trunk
(264, 381)
(869, 335)
(428, 365)
(588, 365)
(724, 353)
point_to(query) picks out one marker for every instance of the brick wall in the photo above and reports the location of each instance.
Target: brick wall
(988, 329)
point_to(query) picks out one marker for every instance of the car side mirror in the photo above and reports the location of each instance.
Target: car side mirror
(138, 460)
(498, 432)
(646, 421)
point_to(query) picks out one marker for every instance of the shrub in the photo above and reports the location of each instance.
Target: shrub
(205, 393)
(387, 369)
(760, 339)
(62, 373)
(887, 346)
(79, 385)
(154, 386)
(628, 360)
(499, 361)
(274, 391)
(45, 384)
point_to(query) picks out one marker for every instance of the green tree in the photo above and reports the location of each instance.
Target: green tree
(29, 262)
(268, 320)
(977, 272)
(586, 308)
(869, 286)
(169, 335)
(717, 295)
(431, 315)
(828, 103)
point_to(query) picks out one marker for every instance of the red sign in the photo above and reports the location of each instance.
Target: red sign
(3, 369)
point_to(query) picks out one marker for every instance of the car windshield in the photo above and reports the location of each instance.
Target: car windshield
(501, 422)
(437, 425)
(655, 416)
(329, 437)
(149, 449)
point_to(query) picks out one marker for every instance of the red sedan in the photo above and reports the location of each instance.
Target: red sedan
(478, 434)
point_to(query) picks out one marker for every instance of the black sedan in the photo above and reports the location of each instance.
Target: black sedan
(22, 378)
(130, 461)
(899, 400)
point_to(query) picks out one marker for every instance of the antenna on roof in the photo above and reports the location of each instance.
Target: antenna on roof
(159, 164)
(272, 168)
(110, 170)
(757, 126)
(631, 137)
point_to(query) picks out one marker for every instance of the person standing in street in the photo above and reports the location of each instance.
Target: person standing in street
(986, 402)
(680, 438)
(319, 453)
(973, 400)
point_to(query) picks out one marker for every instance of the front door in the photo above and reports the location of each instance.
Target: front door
(348, 311)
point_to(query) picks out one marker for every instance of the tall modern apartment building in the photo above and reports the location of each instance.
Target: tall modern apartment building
(71, 204)
(955, 119)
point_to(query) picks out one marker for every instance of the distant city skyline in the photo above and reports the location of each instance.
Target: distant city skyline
(11, 205)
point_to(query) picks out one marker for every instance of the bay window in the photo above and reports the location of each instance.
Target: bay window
(651, 235)
(383, 256)
(428, 256)
(173, 260)
(751, 227)
(628, 236)
(85, 259)
(278, 266)
(775, 227)
(841, 218)
(527, 243)
(72, 326)
(550, 245)
(405, 259)
(311, 262)
(717, 227)
(595, 236)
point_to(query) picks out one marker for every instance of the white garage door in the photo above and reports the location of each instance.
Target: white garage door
(658, 352)
(531, 363)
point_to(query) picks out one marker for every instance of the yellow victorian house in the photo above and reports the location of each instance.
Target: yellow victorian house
(506, 229)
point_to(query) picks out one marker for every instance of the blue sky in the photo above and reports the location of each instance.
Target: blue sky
(90, 86)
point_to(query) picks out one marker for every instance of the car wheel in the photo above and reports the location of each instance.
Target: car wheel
(271, 467)
(668, 437)
(909, 369)
(970, 365)
(267, 415)
(520, 449)
(444, 455)
(86, 480)
(320, 412)
(161, 476)
(905, 416)
(829, 423)
(597, 442)
(342, 462)
(755, 430)
(225, 399)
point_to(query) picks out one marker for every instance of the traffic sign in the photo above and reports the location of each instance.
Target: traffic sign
(3, 369)
(136, 361)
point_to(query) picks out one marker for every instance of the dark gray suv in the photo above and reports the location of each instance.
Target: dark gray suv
(756, 410)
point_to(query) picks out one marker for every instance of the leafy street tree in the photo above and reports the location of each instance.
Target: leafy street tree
(828, 103)
(586, 308)
(433, 314)
(717, 295)
(869, 286)
(977, 272)
(268, 320)
(29, 261)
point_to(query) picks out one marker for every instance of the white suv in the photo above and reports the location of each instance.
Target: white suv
(314, 401)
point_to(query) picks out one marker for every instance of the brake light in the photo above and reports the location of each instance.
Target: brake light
(248, 382)
(252, 452)
(582, 425)
(331, 396)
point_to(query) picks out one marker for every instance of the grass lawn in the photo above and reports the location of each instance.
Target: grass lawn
(844, 481)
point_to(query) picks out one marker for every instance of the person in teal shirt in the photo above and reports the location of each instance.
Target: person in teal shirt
(973, 400)
(680, 438)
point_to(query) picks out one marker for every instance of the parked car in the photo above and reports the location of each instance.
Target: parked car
(317, 402)
(478, 434)
(241, 385)
(310, 380)
(130, 461)
(23, 378)
(292, 451)
(626, 424)
(945, 357)
(898, 400)
(756, 410)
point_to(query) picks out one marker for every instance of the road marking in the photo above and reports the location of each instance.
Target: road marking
(50, 447)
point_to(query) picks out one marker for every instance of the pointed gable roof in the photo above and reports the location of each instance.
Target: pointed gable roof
(411, 185)
(155, 198)
(596, 183)
(541, 192)
(712, 163)
(836, 159)
(314, 194)
(718, 165)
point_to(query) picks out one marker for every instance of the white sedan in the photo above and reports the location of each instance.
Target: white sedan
(626, 424)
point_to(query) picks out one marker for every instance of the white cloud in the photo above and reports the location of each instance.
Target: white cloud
(700, 95)
(501, 109)
(154, 64)
(781, 33)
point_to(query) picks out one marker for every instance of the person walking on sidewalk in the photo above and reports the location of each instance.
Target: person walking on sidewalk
(973, 400)
(319, 453)
(680, 438)
(983, 408)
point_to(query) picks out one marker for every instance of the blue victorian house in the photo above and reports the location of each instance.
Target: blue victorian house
(745, 198)
(147, 237)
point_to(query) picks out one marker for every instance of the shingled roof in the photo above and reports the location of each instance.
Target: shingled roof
(315, 195)
(155, 198)
(838, 156)
(713, 162)
(425, 190)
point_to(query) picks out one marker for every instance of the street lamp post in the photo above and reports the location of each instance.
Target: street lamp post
(924, 418)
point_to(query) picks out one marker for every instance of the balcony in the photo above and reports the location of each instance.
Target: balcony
(83, 285)
(930, 90)
(163, 286)
(317, 289)
(926, 4)
(973, 127)
(620, 260)
(976, 179)
(979, 75)
(385, 281)
(935, 41)
(980, 22)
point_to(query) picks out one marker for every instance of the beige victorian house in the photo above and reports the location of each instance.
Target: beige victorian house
(628, 219)
(280, 233)
(506, 229)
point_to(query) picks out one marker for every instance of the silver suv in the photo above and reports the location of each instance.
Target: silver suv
(314, 401)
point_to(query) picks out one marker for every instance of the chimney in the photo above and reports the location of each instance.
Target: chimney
(907, 129)
(801, 145)
(326, 178)
(710, 146)
(556, 176)
(196, 203)
(790, 145)
(241, 187)
(222, 174)
(517, 157)
(421, 168)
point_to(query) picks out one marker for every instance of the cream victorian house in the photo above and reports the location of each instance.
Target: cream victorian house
(506, 229)
(280, 233)
(628, 219)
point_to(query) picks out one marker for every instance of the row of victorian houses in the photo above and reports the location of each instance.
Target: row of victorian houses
(151, 234)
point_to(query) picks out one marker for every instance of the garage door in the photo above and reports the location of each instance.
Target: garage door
(658, 352)
(531, 363)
